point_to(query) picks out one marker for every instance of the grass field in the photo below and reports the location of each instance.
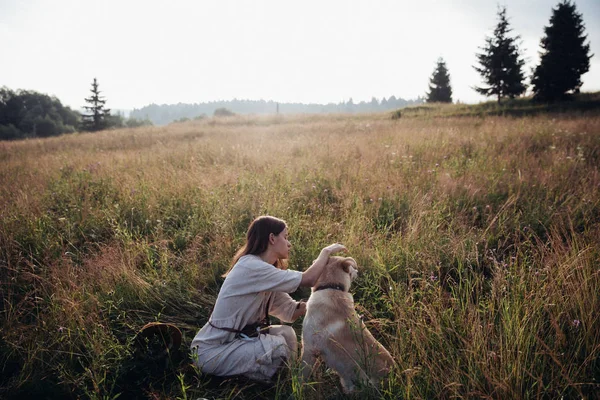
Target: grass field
(478, 240)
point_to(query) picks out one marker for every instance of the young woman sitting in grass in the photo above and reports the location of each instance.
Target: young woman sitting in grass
(237, 339)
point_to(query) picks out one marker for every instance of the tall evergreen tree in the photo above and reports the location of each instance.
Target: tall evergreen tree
(98, 117)
(564, 56)
(500, 63)
(439, 84)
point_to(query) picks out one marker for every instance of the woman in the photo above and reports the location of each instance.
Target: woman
(237, 340)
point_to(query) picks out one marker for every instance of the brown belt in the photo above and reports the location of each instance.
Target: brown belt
(251, 330)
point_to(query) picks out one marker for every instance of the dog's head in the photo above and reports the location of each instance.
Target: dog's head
(338, 271)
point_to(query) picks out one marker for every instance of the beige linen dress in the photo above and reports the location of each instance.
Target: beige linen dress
(242, 300)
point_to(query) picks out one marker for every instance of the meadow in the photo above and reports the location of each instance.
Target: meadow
(477, 237)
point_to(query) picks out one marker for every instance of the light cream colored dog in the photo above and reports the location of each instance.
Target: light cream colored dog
(333, 330)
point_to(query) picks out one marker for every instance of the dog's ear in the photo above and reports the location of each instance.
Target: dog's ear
(346, 267)
(347, 263)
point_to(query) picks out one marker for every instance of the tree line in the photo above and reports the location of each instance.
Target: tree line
(564, 58)
(29, 114)
(166, 113)
(26, 113)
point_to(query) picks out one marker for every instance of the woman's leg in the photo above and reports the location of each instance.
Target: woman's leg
(257, 358)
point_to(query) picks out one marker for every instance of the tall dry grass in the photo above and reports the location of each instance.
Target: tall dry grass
(477, 239)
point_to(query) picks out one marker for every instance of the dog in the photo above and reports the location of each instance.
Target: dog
(333, 331)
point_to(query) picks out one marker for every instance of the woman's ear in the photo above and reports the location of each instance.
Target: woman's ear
(271, 238)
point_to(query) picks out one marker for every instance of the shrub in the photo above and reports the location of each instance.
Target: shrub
(223, 112)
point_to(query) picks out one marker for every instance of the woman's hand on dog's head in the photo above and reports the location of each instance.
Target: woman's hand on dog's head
(334, 248)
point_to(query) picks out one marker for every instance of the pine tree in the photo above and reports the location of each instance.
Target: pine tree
(98, 117)
(564, 57)
(501, 65)
(439, 84)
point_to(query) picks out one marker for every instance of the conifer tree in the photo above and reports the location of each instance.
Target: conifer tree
(500, 63)
(439, 84)
(98, 117)
(564, 56)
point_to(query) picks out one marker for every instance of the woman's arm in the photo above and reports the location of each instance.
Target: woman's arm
(310, 276)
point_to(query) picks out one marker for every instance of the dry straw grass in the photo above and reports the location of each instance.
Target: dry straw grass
(477, 240)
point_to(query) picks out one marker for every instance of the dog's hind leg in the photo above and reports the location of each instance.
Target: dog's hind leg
(338, 359)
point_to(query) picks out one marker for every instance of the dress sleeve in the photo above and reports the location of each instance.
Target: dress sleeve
(282, 306)
(253, 275)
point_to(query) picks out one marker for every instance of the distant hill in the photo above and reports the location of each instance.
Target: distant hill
(582, 103)
(166, 113)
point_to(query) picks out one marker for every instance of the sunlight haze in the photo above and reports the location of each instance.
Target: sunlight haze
(145, 52)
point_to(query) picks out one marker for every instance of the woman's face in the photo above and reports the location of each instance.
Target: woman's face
(281, 245)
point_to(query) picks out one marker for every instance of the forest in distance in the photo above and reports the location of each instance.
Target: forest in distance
(166, 113)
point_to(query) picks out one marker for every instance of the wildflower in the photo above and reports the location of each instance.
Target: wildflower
(432, 277)
(576, 323)
(61, 329)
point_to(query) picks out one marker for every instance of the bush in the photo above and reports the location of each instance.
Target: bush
(9, 132)
(223, 112)
(45, 127)
(134, 122)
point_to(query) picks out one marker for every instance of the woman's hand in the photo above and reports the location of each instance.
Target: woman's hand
(332, 249)
(310, 276)
(300, 310)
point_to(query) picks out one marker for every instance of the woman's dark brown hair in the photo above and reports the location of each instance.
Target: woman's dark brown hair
(257, 238)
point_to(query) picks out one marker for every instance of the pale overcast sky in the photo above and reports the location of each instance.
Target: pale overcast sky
(145, 51)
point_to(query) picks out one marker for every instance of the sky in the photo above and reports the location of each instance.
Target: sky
(194, 51)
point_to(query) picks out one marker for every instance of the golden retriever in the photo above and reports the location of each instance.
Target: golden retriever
(333, 330)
